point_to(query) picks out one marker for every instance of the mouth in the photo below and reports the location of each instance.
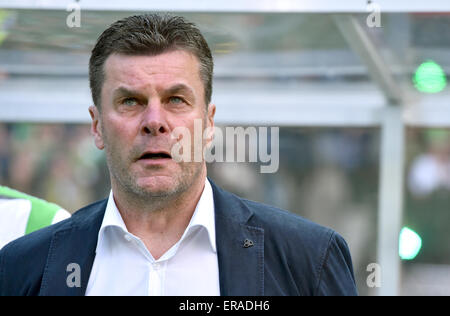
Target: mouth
(155, 155)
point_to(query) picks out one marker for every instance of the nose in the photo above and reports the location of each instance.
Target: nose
(154, 120)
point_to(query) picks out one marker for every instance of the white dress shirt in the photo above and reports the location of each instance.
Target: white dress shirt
(124, 266)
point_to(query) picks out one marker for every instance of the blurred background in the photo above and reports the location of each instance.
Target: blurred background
(324, 75)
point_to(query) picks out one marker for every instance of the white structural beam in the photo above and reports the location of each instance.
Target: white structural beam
(390, 209)
(235, 6)
(240, 103)
(312, 115)
(361, 44)
(431, 111)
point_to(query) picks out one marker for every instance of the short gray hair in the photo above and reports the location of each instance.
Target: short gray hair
(151, 34)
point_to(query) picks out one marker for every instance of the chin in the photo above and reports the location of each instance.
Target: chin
(158, 186)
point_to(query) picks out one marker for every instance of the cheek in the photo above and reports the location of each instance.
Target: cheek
(118, 133)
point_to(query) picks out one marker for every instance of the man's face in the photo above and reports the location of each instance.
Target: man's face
(144, 98)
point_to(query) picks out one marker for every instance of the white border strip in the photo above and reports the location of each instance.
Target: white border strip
(250, 6)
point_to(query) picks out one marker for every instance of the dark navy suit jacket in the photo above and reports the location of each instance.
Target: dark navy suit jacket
(289, 255)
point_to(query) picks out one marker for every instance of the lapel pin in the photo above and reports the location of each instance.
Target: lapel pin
(248, 243)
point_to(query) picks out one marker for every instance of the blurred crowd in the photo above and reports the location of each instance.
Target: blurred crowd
(430, 170)
(427, 202)
(56, 162)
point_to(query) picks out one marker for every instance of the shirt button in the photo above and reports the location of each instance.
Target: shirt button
(128, 237)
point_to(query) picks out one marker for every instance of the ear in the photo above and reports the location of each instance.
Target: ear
(210, 123)
(96, 129)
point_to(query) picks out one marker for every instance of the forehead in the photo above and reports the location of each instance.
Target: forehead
(159, 71)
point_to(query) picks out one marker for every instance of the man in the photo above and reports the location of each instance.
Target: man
(21, 214)
(166, 229)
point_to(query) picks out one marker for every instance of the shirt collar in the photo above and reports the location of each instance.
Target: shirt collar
(204, 214)
(203, 217)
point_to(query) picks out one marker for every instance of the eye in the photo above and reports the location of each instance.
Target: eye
(176, 100)
(129, 102)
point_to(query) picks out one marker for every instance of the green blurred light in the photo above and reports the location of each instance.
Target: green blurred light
(430, 78)
(409, 244)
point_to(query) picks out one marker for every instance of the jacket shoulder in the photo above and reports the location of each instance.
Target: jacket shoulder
(283, 222)
(26, 245)
(22, 261)
(317, 257)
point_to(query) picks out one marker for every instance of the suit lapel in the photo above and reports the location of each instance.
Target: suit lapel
(240, 247)
(71, 254)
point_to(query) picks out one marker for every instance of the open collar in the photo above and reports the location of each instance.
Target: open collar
(203, 216)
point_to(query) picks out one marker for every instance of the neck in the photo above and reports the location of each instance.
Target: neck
(160, 223)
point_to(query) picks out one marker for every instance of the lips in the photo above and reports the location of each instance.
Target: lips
(154, 155)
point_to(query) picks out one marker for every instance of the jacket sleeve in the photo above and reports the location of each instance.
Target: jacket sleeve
(336, 277)
(21, 265)
(2, 274)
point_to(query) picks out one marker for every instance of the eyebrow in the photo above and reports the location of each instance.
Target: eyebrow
(124, 92)
(178, 88)
(181, 88)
